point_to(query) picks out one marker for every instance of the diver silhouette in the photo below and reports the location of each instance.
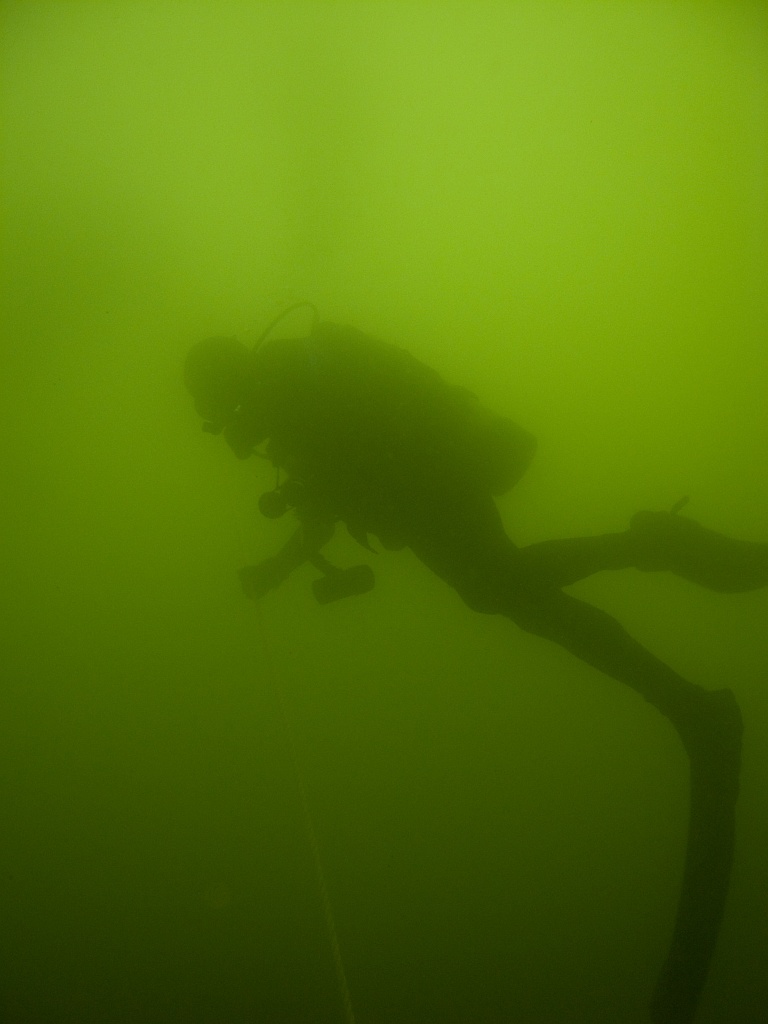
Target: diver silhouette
(368, 436)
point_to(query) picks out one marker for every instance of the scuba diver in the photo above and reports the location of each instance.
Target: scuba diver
(362, 433)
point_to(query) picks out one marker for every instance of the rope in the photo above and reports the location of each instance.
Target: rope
(309, 827)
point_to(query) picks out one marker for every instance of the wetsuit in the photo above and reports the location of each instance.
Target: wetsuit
(369, 436)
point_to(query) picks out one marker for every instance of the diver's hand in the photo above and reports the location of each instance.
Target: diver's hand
(258, 580)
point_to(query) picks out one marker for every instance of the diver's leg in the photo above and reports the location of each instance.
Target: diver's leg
(558, 563)
(467, 547)
(597, 639)
(709, 725)
(469, 550)
(655, 542)
(667, 541)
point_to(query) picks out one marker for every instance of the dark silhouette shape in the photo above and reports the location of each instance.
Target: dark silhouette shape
(367, 435)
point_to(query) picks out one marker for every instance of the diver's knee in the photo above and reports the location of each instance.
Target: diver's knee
(525, 604)
(529, 619)
(483, 602)
(537, 609)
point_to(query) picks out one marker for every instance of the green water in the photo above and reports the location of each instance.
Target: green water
(559, 205)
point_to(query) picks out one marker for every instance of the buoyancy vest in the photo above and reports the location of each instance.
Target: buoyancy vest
(361, 422)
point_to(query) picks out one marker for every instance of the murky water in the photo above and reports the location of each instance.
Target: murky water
(560, 206)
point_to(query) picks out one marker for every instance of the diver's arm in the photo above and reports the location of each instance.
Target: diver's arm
(303, 546)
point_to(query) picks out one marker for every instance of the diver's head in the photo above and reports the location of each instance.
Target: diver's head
(217, 372)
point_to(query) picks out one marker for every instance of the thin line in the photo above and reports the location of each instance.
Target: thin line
(330, 921)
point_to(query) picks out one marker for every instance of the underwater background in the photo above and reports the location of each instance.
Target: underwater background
(561, 206)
